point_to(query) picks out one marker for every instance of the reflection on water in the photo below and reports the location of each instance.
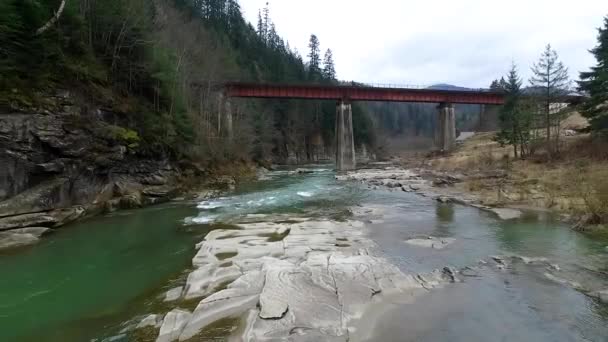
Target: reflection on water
(517, 304)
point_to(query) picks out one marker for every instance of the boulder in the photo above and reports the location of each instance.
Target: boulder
(131, 201)
(225, 183)
(431, 242)
(154, 321)
(174, 294)
(601, 295)
(12, 240)
(159, 191)
(506, 213)
(27, 220)
(173, 324)
(154, 179)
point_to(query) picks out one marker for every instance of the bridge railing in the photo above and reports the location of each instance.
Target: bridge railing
(416, 86)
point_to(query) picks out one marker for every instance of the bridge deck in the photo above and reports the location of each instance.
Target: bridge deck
(362, 93)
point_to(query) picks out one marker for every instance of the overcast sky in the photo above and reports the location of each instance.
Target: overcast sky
(461, 42)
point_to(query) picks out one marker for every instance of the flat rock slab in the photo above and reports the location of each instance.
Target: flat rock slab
(295, 281)
(174, 294)
(506, 213)
(154, 321)
(14, 240)
(431, 242)
(173, 324)
(601, 295)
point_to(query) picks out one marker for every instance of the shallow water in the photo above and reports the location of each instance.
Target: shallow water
(92, 279)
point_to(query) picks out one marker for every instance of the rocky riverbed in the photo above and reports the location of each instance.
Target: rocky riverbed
(303, 281)
(299, 278)
(303, 256)
(425, 183)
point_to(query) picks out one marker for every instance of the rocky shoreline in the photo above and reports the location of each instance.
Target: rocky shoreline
(425, 183)
(304, 280)
(73, 159)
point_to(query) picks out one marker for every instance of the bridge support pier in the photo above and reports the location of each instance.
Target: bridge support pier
(224, 117)
(445, 130)
(345, 138)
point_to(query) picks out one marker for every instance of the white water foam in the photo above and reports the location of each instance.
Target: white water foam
(209, 205)
(305, 194)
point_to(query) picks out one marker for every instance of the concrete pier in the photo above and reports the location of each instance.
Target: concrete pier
(345, 138)
(224, 118)
(228, 119)
(445, 130)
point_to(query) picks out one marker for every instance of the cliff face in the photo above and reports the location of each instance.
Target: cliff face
(66, 161)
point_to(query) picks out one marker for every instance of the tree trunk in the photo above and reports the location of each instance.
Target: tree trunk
(53, 20)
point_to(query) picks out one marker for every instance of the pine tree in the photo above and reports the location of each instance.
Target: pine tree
(314, 55)
(551, 83)
(267, 22)
(260, 29)
(595, 84)
(515, 117)
(329, 69)
(273, 37)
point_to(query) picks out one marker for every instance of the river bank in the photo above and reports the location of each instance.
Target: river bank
(308, 255)
(572, 184)
(266, 275)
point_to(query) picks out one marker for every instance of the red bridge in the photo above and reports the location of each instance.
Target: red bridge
(445, 130)
(362, 93)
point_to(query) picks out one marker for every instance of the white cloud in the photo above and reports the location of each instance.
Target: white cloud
(464, 42)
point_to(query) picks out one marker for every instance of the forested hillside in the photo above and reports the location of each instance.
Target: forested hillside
(155, 63)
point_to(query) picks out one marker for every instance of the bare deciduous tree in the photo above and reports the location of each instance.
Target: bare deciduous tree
(53, 20)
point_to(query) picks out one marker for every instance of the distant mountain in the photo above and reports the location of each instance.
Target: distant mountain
(444, 86)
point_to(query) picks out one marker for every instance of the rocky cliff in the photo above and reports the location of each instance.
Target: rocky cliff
(69, 158)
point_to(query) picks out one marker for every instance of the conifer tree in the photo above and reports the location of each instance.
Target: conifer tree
(329, 69)
(515, 117)
(595, 84)
(551, 83)
(314, 55)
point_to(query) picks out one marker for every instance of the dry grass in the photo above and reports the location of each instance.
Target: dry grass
(576, 182)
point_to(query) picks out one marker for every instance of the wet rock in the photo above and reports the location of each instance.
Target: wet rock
(173, 324)
(155, 179)
(450, 274)
(273, 302)
(36, 231)
(27, 220)
(53, 218)
(303, 171)
(601, 295)
(532, 260)
(507, 214)
(280, 272)
(555, 267)
(174, 294)
(154, 321)
(431, 242)
(225, 183)
(159, 191)
(204, 280)
(443, 199)
(565, 282)
(13, 240)
(131, 201)
(499, 259)
(116, 338)
(209, 311)
(238, 297)
(415, 187)
(125, 187)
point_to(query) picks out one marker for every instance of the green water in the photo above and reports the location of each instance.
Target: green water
(92, 279)
(91, 274)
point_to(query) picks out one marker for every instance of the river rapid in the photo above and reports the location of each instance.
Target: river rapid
(526, 279)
